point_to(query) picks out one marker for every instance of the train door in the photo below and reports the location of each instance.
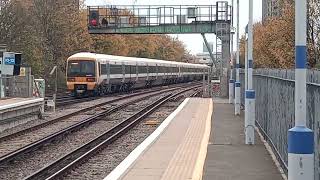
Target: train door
(123, 72)
(156, 71)
(137, 72)
(108, 72)
(147, 68)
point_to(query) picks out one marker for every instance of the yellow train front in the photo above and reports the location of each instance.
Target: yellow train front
(82, 76)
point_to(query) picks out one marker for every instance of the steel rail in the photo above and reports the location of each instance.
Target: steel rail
(83, 110)
(59, 167)
(32, 146)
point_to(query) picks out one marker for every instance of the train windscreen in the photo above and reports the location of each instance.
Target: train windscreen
(81, 68)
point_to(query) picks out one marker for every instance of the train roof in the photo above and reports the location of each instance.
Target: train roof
(86, 55)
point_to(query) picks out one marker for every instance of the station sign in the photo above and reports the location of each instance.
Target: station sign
(9, 59)
(7, 63)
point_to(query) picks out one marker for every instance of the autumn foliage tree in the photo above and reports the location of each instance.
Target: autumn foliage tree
(274, 39)
(48, 32)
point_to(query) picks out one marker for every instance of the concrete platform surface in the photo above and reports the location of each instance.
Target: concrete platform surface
(12, 102)
(179, 152)
(228, 158)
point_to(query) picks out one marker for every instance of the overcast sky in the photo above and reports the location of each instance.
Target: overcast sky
(193, 42)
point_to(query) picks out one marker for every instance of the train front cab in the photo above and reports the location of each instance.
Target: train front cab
(82, 75)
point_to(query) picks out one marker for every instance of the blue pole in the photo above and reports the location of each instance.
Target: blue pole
(300, 138)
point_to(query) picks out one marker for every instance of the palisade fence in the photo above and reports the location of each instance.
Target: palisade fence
(275, 108)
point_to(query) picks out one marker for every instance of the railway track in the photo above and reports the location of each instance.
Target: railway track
(64, 99)
(19, 142)
(20, 152)
(68, 99)
(60, 166)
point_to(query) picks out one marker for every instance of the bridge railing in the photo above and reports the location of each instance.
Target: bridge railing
(275, 108)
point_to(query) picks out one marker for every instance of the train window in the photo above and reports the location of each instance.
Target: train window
(152, 69)
(133, 69)
(104, 69)
(81, 68)
(115, 69)
(143, 70)
(127, 69)
(161, 69)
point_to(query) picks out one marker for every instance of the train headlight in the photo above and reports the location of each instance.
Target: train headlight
(71, 79)
(91, 79)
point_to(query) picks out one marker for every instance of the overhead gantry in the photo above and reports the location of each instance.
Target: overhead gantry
(168, 19)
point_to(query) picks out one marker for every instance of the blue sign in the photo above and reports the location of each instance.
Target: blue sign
(9, 61)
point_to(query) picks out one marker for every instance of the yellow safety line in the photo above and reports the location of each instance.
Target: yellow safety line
(198, 170)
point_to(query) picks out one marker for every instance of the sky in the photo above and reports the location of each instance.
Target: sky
(194, 42)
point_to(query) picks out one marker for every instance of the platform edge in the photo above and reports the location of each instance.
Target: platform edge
(129, 161)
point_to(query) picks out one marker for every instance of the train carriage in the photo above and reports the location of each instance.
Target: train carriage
(96, 74)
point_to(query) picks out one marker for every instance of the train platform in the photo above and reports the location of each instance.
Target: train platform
(202, 139)
(15, 111)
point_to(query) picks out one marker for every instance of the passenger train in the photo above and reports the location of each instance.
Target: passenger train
(98, 74)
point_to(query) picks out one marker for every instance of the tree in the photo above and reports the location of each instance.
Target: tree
(47, 32)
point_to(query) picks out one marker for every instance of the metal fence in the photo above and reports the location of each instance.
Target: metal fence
(17, 86)
(275, 108)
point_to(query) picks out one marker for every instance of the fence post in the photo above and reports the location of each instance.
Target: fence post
(300, 138)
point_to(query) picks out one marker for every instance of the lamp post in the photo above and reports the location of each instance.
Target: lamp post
(231, 80)
(300, 138)
(250, 93)
(237, 83)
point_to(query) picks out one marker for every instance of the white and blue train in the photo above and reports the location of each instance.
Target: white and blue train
(90, 73)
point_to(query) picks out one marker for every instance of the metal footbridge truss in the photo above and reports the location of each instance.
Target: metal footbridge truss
(158, 19)
(168, 19)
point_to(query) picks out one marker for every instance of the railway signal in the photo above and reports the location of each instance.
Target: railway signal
(94, 17)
